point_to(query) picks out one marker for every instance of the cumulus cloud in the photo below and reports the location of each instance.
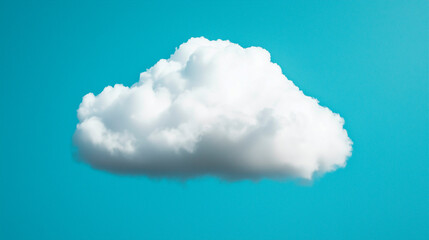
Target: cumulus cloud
(212, 108)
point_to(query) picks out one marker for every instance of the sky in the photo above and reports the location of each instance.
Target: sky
(367, 60)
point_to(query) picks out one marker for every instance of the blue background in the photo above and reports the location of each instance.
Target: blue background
(367, 60)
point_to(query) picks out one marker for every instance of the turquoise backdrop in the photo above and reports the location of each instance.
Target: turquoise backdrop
(367, 60)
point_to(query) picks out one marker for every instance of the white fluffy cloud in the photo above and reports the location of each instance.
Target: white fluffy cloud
(212, 108)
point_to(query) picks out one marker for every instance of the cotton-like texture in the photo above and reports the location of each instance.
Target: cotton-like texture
(212, 108)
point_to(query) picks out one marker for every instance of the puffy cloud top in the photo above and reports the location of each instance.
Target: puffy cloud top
(212, 108)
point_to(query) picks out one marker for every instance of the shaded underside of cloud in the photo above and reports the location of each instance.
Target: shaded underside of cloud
(212, 108)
